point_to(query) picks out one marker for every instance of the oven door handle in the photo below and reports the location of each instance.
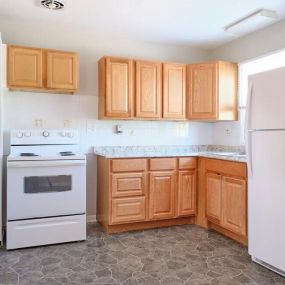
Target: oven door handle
(46, 163)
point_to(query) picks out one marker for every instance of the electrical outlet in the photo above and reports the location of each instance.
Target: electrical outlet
(66, 123)
(38, 123)
(90, 126)
(228, 132)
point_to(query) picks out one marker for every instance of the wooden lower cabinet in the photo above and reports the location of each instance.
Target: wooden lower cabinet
(214, 197)
(234, 205)
(128, 184)
(226, 198)
(162, 192)
(139, 193)
(187, 200)
(126, 210)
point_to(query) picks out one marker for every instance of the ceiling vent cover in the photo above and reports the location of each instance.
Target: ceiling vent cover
(52, 4)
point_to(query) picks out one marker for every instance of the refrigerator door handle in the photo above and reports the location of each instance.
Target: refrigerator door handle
(248, 130)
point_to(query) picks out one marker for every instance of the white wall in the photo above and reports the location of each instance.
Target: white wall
(22, 108)
(254, 45)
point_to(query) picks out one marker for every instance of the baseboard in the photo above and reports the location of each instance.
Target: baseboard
(91, 219)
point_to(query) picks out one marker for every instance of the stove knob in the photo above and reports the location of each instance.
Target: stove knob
(45, 134)
(19, 134)
(27, 134)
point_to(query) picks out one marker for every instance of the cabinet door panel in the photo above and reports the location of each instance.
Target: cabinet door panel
(174, 91)
(234, 205)
(128, 184)
(25, 67)
(202, 91)
(62, 70)
(148, 89)
(187, 193)
(119, 88)
(162, 195)
(131, 209)
(214, 197)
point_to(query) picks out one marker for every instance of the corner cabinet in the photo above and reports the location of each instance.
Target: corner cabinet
(138, 193)
(35, 69)
(116, 88)
(226, 197)
(212, 91)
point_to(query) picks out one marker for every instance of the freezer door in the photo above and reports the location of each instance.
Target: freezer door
(267, 198)
(267, 106)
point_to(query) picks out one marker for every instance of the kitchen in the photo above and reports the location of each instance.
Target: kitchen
(41, 111)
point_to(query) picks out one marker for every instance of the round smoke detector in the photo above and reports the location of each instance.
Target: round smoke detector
(52, 4)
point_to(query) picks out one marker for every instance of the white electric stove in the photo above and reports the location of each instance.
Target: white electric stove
(46, 188)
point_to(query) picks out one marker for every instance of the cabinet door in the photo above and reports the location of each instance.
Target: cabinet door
(24, 67)
(128, 184)
(202, 91)
(162, 195)
(174, 91)
(148, 89)
(214, 197)
(62, 70)
(119, 88)
(234, 205)
(131, 209)
(187, 193)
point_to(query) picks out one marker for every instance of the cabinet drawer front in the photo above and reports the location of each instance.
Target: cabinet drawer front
(162, 163)
(187, 162)
(128, 165)
(126, 210)
(128, 184)
(233, 168)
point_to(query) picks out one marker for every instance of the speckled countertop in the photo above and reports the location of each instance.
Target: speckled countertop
(233, 153)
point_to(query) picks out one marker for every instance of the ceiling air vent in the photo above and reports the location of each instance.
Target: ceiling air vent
(52, 4)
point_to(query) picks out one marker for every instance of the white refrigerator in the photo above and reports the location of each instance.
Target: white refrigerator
(265, 143)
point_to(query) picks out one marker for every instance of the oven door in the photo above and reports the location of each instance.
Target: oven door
(37, 189)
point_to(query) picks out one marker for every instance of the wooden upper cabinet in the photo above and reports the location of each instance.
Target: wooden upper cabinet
(24, 67)
(116, 87)
(234, 199)
(187, 201)
(162, 195)
(202, 80)
(212, 91)
(62, 70)
(42, 70)
(174, 91)
(148, 89)
(214, 197)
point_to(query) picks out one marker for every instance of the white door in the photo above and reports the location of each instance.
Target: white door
(266, 100)
(45, 189)
(267, 197)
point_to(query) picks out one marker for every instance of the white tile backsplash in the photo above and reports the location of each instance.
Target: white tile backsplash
(81, 112)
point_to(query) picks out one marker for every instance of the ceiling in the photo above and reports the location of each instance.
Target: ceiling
(182, 22)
